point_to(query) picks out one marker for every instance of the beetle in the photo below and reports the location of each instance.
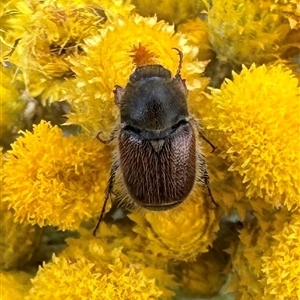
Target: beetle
(158, 159)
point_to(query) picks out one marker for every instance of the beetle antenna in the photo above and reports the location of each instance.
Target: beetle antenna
(178, 73)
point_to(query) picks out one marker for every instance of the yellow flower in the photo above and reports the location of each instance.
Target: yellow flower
(197, 34)
(290, 9)
(256, 117)
(14, 285)
(80, 278)
(205, 276)
(12, 105)
(281, 268)
(172, 11)
(247, 262)
(245, 31)
(52, 31)
(182, 232)
(18, 241)
(265, 264)
(50, 179)
(100, 268)
(113, 55)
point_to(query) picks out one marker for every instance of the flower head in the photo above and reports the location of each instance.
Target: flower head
(12, 105)
(281, 268)
(253, 35)
(197, 34)
(183, 232)
(113, 55)
(257, 119)
(50, 32)
(14, 285)
(172, 11)
(100, 268)
(50, 179)
(264, 263)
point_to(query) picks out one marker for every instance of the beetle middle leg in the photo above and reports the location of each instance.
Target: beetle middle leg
(197, 125)
(108, 193)
(203, 176)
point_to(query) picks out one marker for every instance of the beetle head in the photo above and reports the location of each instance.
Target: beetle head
(152, 99)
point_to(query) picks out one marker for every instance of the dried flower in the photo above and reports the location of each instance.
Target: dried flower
(99, 269)
(257, 119)
(50, 179)
(14, 285)
(175, 11)
(183, 232)
(246, 31)
(48, 33)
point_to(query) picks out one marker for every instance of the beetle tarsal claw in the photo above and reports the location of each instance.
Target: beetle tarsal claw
(157, 145)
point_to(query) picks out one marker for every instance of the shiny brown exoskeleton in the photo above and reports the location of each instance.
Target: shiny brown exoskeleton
(157, 154)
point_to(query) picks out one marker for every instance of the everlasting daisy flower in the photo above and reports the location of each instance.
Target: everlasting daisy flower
(97, 268)
(80, 278)
(247, 262)
(256, 117)
(281, 268)
(197, 33)
(52, 31)
(18, 241)
(12, 106)
(182, 232)
(14, 285)
(119, 241)
(265, 263)
(246, 31)
(290, 9)
(205, 276)
(113, 55)
(50, 179)
(172, 11)
(12, 255)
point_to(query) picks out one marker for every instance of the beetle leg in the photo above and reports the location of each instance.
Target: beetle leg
(206, 182)
(112, 136)
(204, 177)
(108, 192)
(202, 136)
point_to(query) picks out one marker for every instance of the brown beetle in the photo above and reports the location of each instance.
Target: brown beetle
(157, 155)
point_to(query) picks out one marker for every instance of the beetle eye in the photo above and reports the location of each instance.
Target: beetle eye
(132, 129)
(177, 125)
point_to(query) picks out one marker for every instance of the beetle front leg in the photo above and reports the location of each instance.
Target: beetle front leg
(112, 136)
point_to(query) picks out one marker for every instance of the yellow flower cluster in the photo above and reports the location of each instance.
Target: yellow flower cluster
(290, 9)
(18, 241)
(12, 106)
(78, 51)
(257, 119)
(198, 228)
(281, 267)
(245, 31)
(44, 35)
(197, 33)
(266, 261)
(50, 179)
(98, 269)
(14, 285)
(172, 11)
